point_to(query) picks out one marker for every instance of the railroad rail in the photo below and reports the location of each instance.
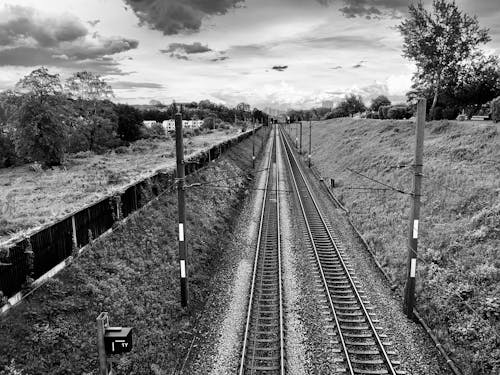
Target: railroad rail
(364, 348)
(263, 349)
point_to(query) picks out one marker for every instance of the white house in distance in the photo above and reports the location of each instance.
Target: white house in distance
(169, 125)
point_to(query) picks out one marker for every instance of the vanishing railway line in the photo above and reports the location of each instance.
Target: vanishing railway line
(357, 341)
(364, 349)
(263, 343)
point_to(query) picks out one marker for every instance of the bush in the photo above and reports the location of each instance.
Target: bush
(399, 112)
(336, 113)
(382, 111)
(7, 151)
(495, 109)
(450, 113)
(156, 131)
(437, 114)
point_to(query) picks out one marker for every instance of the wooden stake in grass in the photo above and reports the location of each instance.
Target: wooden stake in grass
(409, 298)
(179, 150)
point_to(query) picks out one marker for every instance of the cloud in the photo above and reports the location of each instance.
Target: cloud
(177, 16)
(129, 85)
(280, 68)
(220, 58)
(347, 42)
(189, 49)
(21, 26)
(93, 23)
(359, 65)
(336, 67)
(374, 8)
(31, 39)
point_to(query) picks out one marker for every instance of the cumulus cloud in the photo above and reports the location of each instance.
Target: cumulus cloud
(28, 38)
(21, 25)
(176, 16)
(129, 85)
(188, 49)
(373, 8)
(280, 68)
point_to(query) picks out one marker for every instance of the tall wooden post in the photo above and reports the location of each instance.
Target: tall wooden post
(300, 147)
(102, 322)
(179, 150)
(409, 298)
(253, 144)
(310, 147)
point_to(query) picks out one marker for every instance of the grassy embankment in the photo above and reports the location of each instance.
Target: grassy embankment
(30, 198)
(458, 288)
(134, 275)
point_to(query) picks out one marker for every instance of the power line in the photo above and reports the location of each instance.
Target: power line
(379, 182)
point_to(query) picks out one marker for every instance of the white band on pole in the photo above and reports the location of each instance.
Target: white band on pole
(181, 232)
(415, 228)
(183, 268)
(413, 267)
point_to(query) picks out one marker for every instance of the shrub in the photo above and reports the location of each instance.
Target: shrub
(437, 114)
(399, 112)
(382, 111)
(156, 131)
(495, 109)
(336, 113)
(7, 151)
(450, 113)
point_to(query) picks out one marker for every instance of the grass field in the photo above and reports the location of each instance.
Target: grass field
(458, 287)
(31, 198)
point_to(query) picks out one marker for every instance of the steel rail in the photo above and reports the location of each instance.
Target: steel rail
(340, 257)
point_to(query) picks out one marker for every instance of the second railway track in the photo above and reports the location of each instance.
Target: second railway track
(365, 350)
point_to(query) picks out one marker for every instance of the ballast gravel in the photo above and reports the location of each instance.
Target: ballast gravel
(217, 347)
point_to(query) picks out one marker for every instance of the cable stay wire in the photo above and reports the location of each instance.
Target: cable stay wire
(379, 182)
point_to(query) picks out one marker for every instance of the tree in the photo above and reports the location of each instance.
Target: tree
(129, 122)
(97, 120)
(379, 101)
(40, 131)
(352, 104)
(439, 41)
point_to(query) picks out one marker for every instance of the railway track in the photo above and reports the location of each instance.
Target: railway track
(362, 345)
(263, 349)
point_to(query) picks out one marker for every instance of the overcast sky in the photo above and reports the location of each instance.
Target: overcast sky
(286, 53)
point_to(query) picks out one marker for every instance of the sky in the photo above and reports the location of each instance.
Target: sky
(268, 53)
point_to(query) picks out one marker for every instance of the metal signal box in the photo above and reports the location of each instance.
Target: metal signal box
(118, 340)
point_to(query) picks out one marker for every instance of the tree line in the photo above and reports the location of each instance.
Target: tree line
(44, 118)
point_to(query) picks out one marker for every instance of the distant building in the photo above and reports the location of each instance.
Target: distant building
(327, 104)
(149, 123)
(169, 125)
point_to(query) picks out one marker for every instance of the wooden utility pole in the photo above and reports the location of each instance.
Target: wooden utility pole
(179, 150)
(309, 155)
(300, 147)
(409, 298)
(253, 144)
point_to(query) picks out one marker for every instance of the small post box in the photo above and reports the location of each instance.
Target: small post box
(118, 340)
